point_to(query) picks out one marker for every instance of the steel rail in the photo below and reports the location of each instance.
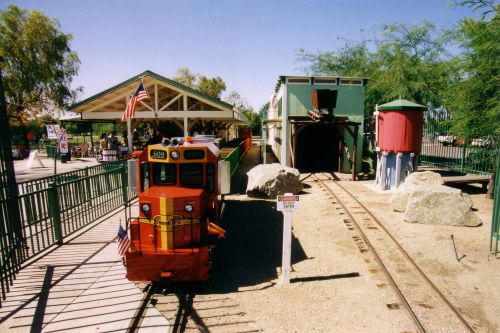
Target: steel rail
(403, 251)
(396, 289)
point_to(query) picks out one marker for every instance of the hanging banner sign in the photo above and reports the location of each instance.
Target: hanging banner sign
(63, 141)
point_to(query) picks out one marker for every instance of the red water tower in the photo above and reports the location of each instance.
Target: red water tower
(399, 126)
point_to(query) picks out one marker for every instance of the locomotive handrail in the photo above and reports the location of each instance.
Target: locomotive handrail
(176, 219)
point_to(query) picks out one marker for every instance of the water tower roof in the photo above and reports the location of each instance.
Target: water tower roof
(401, 104)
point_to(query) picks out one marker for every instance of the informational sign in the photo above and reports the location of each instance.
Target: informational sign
(31, 159)
(52, 131)
(287, 203)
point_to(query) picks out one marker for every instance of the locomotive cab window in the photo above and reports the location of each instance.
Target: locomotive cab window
(164, 174)
(144, 176)
(191, 174)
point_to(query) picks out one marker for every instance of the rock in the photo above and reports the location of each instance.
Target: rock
(438, 204)
(269, 180)
(399, 199)
(424, 178)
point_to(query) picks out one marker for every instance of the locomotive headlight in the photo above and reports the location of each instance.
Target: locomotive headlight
(146, 208)
(174, 154)
(189, 208)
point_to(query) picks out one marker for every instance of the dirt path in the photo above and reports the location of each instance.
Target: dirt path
(334, 286)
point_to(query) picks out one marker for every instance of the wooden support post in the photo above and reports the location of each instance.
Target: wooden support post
(355, 153)
(341, 156)
(287, 248)
(186, 122)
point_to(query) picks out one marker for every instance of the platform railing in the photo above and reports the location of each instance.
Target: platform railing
(241, 147)
(55, 207)
(495, 219)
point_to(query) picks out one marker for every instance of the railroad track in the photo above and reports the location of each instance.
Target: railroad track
(425, 304)
(189, 309)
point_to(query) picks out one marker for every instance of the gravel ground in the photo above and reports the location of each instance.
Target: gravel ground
(333, 287)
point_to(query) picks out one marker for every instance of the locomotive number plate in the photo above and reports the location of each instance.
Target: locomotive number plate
(158, 154)
(194, 154)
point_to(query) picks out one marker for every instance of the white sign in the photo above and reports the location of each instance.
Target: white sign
(31, 159)
(52, 131)
(287, 203)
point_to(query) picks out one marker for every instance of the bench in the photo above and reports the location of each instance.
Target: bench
(467, 179)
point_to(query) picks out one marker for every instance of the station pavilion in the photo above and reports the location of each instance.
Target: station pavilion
(168, 101)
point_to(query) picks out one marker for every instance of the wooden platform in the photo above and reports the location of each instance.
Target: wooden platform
(467, 179)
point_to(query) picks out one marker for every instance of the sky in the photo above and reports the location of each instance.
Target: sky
(248, 43)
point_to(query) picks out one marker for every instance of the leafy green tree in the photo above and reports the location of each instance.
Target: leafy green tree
(237, 101)
(474, 98)
(37, 63)
(210, 86)
(408, 62)
(241, 104)
(185, 76)
(353, 59)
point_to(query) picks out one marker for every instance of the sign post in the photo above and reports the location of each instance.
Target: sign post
(287, 203)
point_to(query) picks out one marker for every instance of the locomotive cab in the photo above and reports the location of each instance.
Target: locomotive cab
(178, 185)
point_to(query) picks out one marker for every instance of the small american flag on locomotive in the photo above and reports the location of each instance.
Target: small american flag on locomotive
(140, 94)
(123, 241)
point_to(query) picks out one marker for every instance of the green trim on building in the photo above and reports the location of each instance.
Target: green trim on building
(158, 77)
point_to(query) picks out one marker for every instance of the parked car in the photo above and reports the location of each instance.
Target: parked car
(481, 142)
(446, 139)
(450, 140)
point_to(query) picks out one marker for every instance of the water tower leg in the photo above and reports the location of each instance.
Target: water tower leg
(377, 172)
(383, 171)
(398, 169)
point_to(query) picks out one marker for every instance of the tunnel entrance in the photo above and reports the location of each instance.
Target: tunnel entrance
(316, 147)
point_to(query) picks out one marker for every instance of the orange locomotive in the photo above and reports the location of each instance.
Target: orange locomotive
(178, 185)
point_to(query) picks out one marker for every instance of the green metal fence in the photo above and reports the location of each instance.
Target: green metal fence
(440, 148)
(10, 231)
(54, 207)
(495, 220)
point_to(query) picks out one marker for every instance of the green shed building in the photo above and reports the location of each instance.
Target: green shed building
(315, 123)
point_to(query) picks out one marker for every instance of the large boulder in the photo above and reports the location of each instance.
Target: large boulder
(415, 180)
(270, 180)
(424, 199)
(424, 178)
(438, 204)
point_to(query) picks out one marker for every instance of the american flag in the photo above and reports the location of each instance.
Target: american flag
(123, 241)
(140, 94)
